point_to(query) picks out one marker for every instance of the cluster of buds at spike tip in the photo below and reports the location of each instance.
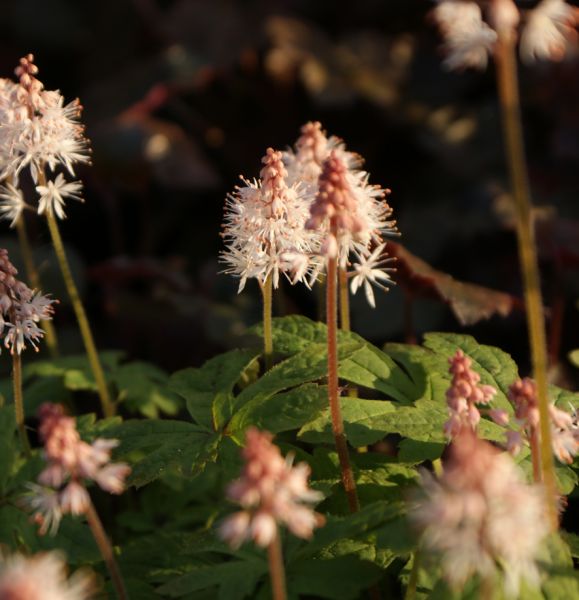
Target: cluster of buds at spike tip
(546, 31)
(480, 517)
(272, 492)
(42, 577)
(264, 227)
(70, 461)
(564, 432)
(41, 134)
(21, 309)
(463, 395)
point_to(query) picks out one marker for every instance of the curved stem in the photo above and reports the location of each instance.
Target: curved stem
(333, 396)
(106, 550)
(513, 133)
(85, 330)
(276, 568)
(266, 292)
(19, 402)
(344, 300)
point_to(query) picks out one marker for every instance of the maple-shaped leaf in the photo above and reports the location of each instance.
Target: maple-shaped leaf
(469, 302)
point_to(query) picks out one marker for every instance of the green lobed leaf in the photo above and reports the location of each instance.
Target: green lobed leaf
(169, 445)
(209, 390)
(281, 412)
(237, 578)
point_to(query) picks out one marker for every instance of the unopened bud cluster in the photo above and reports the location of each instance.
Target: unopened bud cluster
(70, 461)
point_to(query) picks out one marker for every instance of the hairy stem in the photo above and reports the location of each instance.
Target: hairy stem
(337, 422)
(266, 292)
(344, 300)
(512, 128)
(85, 330)
(276, 568)
(106, 551)
(19, 402)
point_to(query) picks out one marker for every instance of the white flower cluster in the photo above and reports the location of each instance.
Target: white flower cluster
(21, 309)
(546, 32)
(481, 518)
(41, 134)
(271, 225)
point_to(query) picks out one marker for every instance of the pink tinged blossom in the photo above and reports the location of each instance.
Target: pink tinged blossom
(480, 517)
(45, 503)
(499, 416)
(52, 195)
(273, 492)
(111, 478)
(548, 31)
(42, 577)
(74, 499)
(464, 393)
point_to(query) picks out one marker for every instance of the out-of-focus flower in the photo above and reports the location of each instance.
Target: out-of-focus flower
(271, 491)
(548, 30)
(42, 577)
(70, 461)
(264, 224)
(20, 309)
(564, 434)
(468, 40)
(479, 517)
(464, 393)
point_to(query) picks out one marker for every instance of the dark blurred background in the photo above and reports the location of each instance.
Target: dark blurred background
(182, 96)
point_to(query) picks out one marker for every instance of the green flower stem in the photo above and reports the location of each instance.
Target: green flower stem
(344, 300)
(276, 568)
(333, 396)
(106, 551)
(34, 279)
(85, 330)
(19, 402)
(413, 579)
(266, 292)
(512, 128)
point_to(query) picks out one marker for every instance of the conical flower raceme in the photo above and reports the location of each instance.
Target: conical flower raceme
(70, 461)
(38, 131)
(272, 491)
(463, 395)
(546, 31)
(564, 433)
(264, 227)
(42, 577)
(21, 309)
(480, 517)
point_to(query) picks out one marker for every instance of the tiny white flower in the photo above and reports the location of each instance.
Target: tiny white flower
(12, 203)
(52, 195)
(370, 270)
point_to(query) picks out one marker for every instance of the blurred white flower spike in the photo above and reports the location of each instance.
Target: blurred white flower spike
(470, 30)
